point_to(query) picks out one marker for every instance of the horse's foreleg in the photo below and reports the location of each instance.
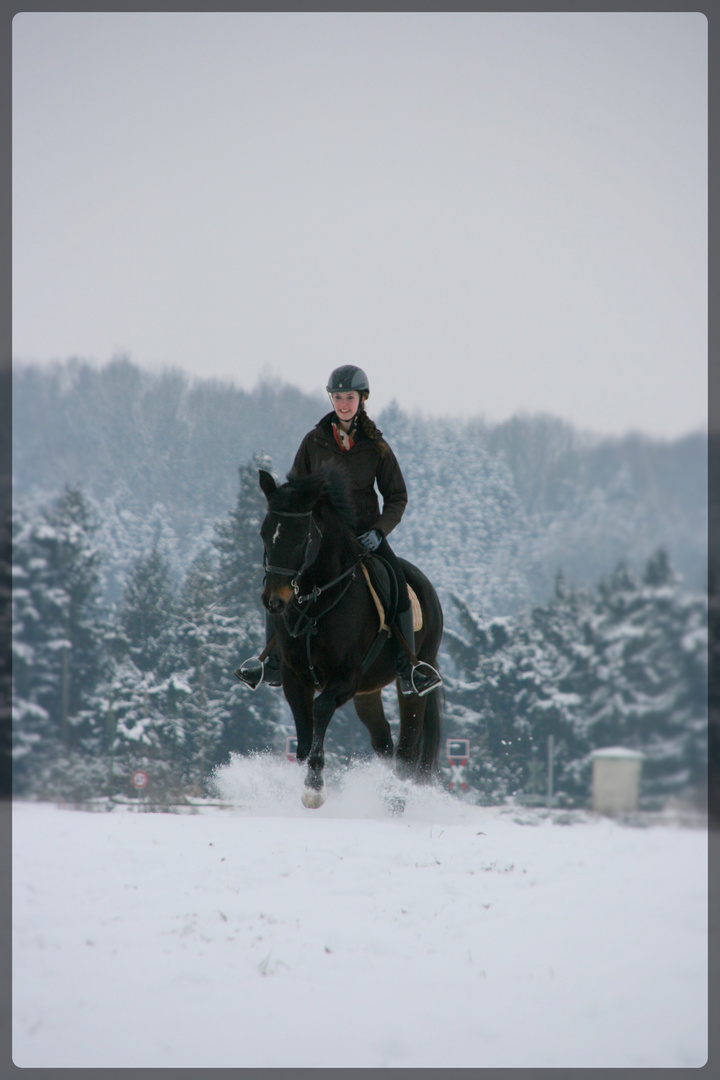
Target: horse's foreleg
(323, 710)
(299, 697)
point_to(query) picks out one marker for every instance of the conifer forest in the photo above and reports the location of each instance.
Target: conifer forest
(572, 569)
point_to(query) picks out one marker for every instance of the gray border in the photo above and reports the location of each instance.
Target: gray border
(7, 1068)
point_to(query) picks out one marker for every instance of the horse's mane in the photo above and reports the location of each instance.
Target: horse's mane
(329, 486)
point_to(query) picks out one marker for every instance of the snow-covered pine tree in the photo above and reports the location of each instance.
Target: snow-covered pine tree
(557, 680)
(680, 657)
(530, 695)
(463, 520)
(200, 656)
(74, 567)
(480, 693)
(147, 613)
(144, 717)
(145, 696)
(252, 719)
(651, 696)
(713, 694)
(30, 720)
(5, 582)
(58, 638)
(127, 528)
(5, 643)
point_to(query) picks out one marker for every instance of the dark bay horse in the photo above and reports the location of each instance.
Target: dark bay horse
(326, 621)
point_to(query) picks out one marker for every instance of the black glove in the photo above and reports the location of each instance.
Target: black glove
(371, 540)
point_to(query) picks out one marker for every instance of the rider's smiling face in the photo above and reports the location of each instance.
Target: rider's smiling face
(345, 405)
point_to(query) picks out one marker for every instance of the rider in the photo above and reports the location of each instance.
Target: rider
(347, 435)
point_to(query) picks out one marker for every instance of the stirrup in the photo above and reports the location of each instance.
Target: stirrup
(423, 679)
(251, 672)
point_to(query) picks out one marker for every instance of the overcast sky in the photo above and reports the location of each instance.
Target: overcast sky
(490, 213)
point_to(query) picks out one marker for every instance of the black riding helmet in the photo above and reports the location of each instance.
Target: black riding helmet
(348, 377)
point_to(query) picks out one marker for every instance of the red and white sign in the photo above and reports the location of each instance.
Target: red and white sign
(458, 753)
(140, 778)
(291, 748)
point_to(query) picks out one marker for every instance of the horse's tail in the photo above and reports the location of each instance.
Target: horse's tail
(431, 735)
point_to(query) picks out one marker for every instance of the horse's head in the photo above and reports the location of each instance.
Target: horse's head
(290, 535)
(300, 513)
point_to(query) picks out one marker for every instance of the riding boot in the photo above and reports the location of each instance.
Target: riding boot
(254, 671)
(419, 678)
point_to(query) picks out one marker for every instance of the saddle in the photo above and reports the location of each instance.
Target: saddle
(382, 583)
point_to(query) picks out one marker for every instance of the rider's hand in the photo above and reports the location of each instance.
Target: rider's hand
(371, 540)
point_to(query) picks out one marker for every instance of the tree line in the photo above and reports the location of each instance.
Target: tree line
(494, 510)
(104, 687)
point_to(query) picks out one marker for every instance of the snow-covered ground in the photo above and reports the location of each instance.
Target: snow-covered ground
(270, 935)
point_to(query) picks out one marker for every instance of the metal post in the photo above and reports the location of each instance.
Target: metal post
(550, 771)
(534, 770)
(64, 694)
(110, 731)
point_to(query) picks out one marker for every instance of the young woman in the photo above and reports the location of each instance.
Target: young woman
(349, 437)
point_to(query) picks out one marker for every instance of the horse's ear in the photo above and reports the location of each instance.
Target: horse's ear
(267, 483)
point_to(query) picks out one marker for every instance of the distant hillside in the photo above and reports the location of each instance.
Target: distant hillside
(495, 510)
(158, 438)
(595, 501)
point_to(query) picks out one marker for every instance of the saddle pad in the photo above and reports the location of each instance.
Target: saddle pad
(416, 610)
(414, 603)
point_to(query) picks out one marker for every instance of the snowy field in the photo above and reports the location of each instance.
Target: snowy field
(265, 934)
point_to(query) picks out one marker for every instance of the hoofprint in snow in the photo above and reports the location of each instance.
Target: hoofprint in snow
(267, 935)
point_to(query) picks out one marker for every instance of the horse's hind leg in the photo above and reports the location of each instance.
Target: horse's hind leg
(412, 710)
(369, 708)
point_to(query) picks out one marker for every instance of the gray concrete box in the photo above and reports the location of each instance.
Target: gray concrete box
(615, 779)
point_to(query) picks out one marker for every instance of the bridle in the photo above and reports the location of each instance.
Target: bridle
(310, 554)
(283, 571)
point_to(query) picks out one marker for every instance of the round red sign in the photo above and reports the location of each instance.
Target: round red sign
(140, 779)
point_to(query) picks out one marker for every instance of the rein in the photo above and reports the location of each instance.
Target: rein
(319, 590)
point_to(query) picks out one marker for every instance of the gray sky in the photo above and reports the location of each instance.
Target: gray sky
(489, 212)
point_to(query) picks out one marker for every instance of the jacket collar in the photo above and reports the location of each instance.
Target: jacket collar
(324, 428)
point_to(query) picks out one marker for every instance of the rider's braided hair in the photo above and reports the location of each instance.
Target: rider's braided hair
(371, 430)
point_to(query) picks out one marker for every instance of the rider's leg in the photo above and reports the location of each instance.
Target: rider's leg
(253, 671)
(413, 678)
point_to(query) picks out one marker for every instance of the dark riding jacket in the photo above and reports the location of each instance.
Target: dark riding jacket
(365, 467)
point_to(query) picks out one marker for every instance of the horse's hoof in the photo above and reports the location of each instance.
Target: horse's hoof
(394, 795)
(313, 799)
